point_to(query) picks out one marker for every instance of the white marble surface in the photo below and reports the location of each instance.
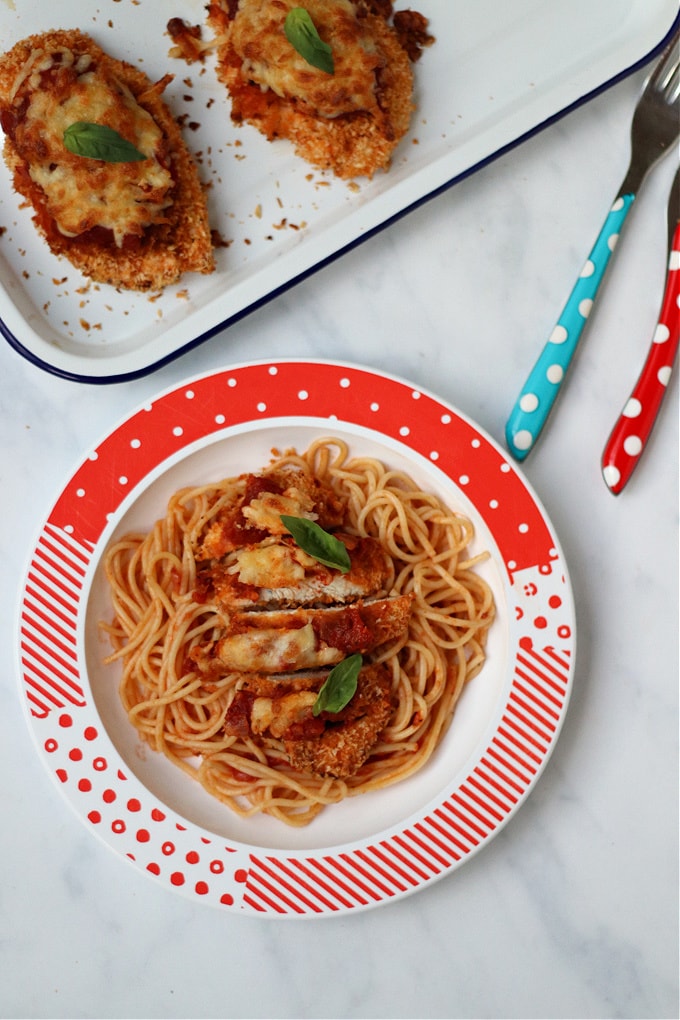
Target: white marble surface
(571, 911)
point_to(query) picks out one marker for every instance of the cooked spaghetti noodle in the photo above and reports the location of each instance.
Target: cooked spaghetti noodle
(159, 620)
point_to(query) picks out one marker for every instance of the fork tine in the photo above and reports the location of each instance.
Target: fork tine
(668, 63)
(671, 85)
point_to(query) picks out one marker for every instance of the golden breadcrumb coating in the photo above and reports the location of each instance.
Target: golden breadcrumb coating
(170, 234)
(353, 137)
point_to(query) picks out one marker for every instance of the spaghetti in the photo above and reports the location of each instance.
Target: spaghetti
(163, 619)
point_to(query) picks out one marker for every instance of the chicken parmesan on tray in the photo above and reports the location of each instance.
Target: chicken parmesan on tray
(300, 635)
(94, 149)
(333, 76)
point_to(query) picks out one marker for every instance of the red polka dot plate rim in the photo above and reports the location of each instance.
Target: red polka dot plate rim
(369, 850)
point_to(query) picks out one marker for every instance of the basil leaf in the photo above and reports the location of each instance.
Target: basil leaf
(301, 33)
(340, 686)
(97, 141)
(312, 539)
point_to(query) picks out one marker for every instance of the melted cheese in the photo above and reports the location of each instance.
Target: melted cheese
(271, 566)
(265, 511)
(279, 714)
(84, 193)
(269, 59)
(272, 650)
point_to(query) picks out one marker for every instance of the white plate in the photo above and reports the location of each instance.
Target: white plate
(497, 72)
(369, 849)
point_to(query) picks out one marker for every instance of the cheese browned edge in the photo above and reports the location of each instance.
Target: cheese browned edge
(350, 146)
(181, 244)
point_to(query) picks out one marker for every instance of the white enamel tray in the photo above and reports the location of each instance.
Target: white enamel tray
(368, 850)
(497, 72)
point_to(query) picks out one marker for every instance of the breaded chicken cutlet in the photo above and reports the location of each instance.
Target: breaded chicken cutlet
(348, 120)
(287, 620)
(94, 149)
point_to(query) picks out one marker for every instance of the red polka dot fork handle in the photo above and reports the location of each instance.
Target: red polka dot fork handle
(634, 425)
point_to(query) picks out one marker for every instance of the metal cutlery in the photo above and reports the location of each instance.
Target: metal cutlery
(629, 436)
(655, 126)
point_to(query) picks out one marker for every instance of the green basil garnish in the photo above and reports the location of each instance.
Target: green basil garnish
(340, 686)
(97, 141)
(312, 539)
(301, 33)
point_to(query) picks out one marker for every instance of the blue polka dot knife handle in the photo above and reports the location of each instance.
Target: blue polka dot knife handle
(544, 383)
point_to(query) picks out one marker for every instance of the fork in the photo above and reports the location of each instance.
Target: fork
(634, 425)
(655, 126)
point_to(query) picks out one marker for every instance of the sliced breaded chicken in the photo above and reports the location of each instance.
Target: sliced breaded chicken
(344, 745)
(332, 745)
(278, 574)
(282, 640)
(259, 501)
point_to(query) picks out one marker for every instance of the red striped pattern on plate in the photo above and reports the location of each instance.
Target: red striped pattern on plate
(427, 849)
(49, 654)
